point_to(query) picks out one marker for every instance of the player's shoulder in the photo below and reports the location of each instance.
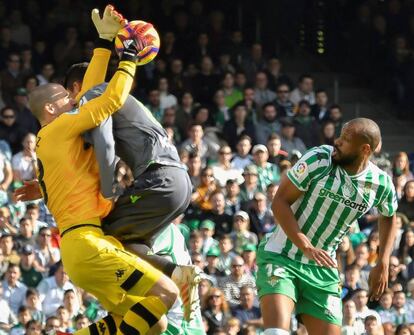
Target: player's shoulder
(92, 93)
(379, 175)
(321, 154)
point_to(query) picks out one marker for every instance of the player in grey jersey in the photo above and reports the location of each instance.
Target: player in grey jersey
(321, 196)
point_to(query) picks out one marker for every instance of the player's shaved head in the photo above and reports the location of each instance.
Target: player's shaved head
(43, 95)
(367, 130)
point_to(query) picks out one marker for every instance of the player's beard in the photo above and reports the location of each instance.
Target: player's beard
(344, 160)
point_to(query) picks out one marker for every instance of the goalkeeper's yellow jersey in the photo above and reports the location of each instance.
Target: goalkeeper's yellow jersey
(68, 172)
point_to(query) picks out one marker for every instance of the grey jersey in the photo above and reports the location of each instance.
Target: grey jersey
(139, 140)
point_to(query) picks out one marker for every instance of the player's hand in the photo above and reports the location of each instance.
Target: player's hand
(28, 192)
(378, 281)
(110, 23)
(321, 257)
(123, 174)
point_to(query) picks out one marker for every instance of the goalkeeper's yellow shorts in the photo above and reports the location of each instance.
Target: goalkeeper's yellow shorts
(99, 264)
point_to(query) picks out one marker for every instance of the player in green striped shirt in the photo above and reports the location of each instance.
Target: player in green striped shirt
(321, 196)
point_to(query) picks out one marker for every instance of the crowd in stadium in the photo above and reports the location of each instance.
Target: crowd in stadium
(239, 122)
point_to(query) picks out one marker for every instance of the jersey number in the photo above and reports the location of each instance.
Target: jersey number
(41, 181)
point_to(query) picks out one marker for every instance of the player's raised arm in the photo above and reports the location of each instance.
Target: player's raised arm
(107, 28)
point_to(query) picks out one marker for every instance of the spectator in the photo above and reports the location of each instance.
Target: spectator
(68, 50)
(406, 203)
(178, 82)
(238, 278)
(71, 303)
(276, 154)
(275, 75)
(207, 231)
(66, 324)
(194, 169)
(46, 254)
(224, 170)
(284, 106)
(231, 94)
(221, 111)
(7, 318)
(11, 77)
(250, 186)
(406, 248)
(372, 326)
(306, 127)
(52, 289)
(350, 324)
(385, 307)
(253, 62)
(249, 256)
(361, 260)
(241, 234)
(183, 115)
(24, 116)
(345, 254)
(327, 133)
(400, 313)
(7, 247)
(196, 143)
(196, 245)
(33, 214)
(168, 122)
(268, 125)
(204, 288)
(262, 94)
(395, 272)
(225, 65)
(24, 162)
(360, 298)
(373, 247)
(52, 324)
(233, 203)
(46, 74)
(237, 126)
(23, 317)
(304, 91)
(167, 99)
(267, 172)
(205, 83)
(201, 196)
(351, 282)
(250, 104)
(320, 109)
(211, 269)
(10, 129)
(226, 254)
(335, 115)
(232, 327)
(14, 291)
(261, 219)
(401, 172)
(33, 327)
(81, 321)
(222, 220)
(6, 177)
(242, 158)
(246, 312)
(30, 269)
(403, 330)
(289, 141)
(215, 310)
(154, 104)
(34, 306)
(30, 83)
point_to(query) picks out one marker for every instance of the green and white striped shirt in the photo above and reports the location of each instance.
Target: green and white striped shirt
(331, 202)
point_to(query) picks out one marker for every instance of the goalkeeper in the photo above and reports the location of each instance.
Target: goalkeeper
(162, 188)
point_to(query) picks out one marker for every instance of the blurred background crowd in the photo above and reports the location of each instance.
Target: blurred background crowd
(239, 121)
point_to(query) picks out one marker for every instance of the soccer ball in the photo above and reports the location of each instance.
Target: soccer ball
(144, 29)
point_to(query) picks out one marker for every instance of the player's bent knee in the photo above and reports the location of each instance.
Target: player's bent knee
(165, 290)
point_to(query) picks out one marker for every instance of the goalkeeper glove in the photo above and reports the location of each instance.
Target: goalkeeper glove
(132, 47)
(110, 23)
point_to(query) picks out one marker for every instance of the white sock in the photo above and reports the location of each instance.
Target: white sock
(275, 331)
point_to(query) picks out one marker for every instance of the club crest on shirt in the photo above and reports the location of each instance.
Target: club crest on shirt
(348, 190)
